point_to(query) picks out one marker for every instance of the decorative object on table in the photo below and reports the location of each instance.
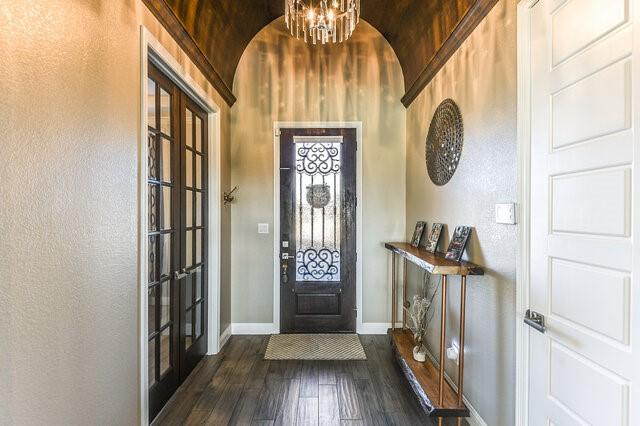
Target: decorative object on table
(319, 195)
(434, 237)
(444, 142)
(417, 233)
(458, 242)
(229, 197)
(417, 311)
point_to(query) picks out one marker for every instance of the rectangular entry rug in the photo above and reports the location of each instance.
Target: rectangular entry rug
(314, 346)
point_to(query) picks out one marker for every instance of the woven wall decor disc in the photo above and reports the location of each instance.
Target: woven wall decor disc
(444, 142)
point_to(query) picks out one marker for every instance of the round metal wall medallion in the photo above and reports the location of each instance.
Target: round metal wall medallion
(444, 142)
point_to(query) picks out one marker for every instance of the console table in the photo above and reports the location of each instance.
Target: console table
(436, 396)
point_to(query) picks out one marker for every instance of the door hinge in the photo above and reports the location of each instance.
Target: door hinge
(535, 320)
(356, 311)
(276, 131)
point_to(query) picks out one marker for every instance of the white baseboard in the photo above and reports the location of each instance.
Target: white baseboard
(252, 328)
(224, 337)
(375, 327)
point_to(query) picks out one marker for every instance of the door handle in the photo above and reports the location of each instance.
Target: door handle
(285, 275)
(535, 320)
(182, 273)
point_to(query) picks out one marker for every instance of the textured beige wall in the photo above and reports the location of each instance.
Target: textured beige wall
(481, 78)
(69, 126)
(282, 79)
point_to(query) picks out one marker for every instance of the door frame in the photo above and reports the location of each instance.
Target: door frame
(277, 125)
(523, 260)
(151, 49)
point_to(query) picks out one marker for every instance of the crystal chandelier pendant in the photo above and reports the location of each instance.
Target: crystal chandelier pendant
(324, 22)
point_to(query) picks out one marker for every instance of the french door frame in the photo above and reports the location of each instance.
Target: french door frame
(152, 50)
(357, 125)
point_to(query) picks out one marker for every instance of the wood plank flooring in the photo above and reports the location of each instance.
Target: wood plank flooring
(239, 387)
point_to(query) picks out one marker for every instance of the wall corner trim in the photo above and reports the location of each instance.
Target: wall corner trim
(465, 27)
(164, 14)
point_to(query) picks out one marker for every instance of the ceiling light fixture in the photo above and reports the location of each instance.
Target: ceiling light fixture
(321, 23)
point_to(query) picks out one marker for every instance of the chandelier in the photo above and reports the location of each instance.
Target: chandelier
(321, 23)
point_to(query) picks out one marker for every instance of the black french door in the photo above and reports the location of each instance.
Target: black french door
(318, 230)
(177, 237)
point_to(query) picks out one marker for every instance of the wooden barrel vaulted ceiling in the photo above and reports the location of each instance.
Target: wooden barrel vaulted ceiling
(423, 33)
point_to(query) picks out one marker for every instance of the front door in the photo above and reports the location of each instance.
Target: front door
(318, 230)
(177, 249)
(585, 227)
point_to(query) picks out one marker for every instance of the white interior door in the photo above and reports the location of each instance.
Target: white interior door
(584, 253)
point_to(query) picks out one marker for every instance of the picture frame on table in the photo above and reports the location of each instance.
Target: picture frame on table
(417, 233)
(458, 243)
(431, 245)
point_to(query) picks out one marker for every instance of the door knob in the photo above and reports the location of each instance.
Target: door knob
(182, 273)
(285, 274)
(535, 320)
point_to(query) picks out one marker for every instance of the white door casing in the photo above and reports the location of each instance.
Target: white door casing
(584, 211)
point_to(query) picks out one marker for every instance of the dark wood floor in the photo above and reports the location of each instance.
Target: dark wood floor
(239, 387)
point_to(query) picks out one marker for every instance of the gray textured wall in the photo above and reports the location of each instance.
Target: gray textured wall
(280, 78)
(481, 78)
(69, 137)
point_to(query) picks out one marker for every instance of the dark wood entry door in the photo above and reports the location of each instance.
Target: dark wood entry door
(177, 224)
(318, 230)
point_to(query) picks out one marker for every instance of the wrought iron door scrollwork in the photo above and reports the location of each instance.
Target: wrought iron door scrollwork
(318, 158)
(318, 265)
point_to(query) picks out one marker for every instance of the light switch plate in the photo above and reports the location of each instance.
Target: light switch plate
(263, 228)
(506, 213)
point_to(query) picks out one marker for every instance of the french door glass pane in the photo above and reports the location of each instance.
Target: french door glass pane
(165, 112)
(165, 303)
(153, 276)
(188, 292)
(198, 134)
(318, 210)
(188, 169)
(198, 320)
(188, 326)
(165, 350)
(151, 103)
(199, 246)
(153, 203)
(189, 128)
(189, 249)
(198, 171)
(152, 310)
(166, 161)
(166, 255)
(153, 156)
(152, 361)
(199, 283)
(198, 209)
(189, 209)
(166, 207)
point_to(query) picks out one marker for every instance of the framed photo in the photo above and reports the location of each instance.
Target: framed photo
(458, 242)
(434, 237)
(417, 233)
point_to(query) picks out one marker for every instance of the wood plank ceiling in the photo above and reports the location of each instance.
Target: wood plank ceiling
(424, 34)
